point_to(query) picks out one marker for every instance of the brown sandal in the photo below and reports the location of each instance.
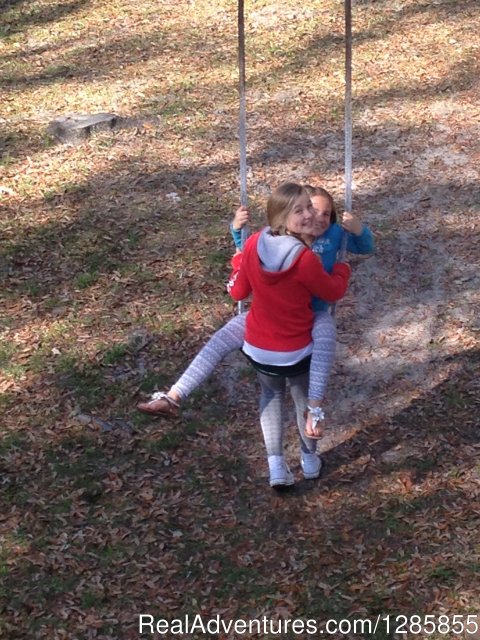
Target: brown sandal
(160, 404)
(318, 416)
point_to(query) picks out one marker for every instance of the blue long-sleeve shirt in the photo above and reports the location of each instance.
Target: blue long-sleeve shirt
(327, 246)
(237, 236)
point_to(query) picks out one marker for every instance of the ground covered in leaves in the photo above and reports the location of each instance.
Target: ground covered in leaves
(113, 264)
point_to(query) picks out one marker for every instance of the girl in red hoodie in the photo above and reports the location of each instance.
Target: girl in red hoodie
(282, 275)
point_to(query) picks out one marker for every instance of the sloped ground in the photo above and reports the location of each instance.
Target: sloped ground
(113, 269)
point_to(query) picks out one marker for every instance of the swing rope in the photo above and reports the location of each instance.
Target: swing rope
(242, 124)
(348, 128)
(348, 121)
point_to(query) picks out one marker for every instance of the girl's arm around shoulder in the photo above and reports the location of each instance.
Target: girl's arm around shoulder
(320, 284)
(238, 285)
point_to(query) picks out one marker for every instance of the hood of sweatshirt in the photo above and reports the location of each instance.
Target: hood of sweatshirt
(278, 253)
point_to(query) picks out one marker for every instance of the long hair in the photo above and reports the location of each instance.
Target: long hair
(279, 205)
(320, 191)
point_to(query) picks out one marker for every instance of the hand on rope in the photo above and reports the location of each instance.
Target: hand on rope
(351, 223)
(238, 227)
(241, 218)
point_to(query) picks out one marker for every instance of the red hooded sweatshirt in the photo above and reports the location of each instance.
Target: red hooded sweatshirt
(283, 275)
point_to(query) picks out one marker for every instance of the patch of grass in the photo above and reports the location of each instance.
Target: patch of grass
(40, 360)
(442, 573)
(421, 503)
(83, 466)
(454, 398)
(84, 381)
(170, 440)
(91, 598)
(146, 275)
(100, 260)
(49, 195)
(70, 188)
(388, 522)
(6, 159)
(66, 364)
(60, 507)
(15, 371)
(152, 381)
(190, 427)
(115, 354)
(174, 108)
(50, 586)
(424, 464)
(110, 554)
(218, 259)
(321, 607)
(7, 350)
(32, 288)
(133, 238)
(12, 440)
(169, 327)
(244, 582)
(14, 494)
(140, 420)
(92, 490)
(7, 366)
(85, 280)
(53, 302)
(6, 400)
(232, 465)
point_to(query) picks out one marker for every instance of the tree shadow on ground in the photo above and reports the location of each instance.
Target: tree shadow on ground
(85, 235)
(433, 429)
(37, 16)
(377, 534)
(462, 77)
(9, 4)
(395, 492)
(307, 55)
(93, 60)
(84, 240)
(18, 143)
(88, 62)
(77, 65)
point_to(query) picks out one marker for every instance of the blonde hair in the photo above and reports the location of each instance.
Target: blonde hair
(279, 205)
(320, 191)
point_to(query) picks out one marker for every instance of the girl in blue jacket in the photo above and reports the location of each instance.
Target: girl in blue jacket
(329, 239)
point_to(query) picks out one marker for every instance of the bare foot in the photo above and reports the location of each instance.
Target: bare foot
(315, 423)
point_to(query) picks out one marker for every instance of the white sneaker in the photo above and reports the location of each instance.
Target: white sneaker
(311, 465)
(280, 474)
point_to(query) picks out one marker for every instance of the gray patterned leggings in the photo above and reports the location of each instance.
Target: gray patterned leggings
(272, 411)
(230, 338)
(227, 339)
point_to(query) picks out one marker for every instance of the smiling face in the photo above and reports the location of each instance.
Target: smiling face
(300, 219)
(322, 212)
